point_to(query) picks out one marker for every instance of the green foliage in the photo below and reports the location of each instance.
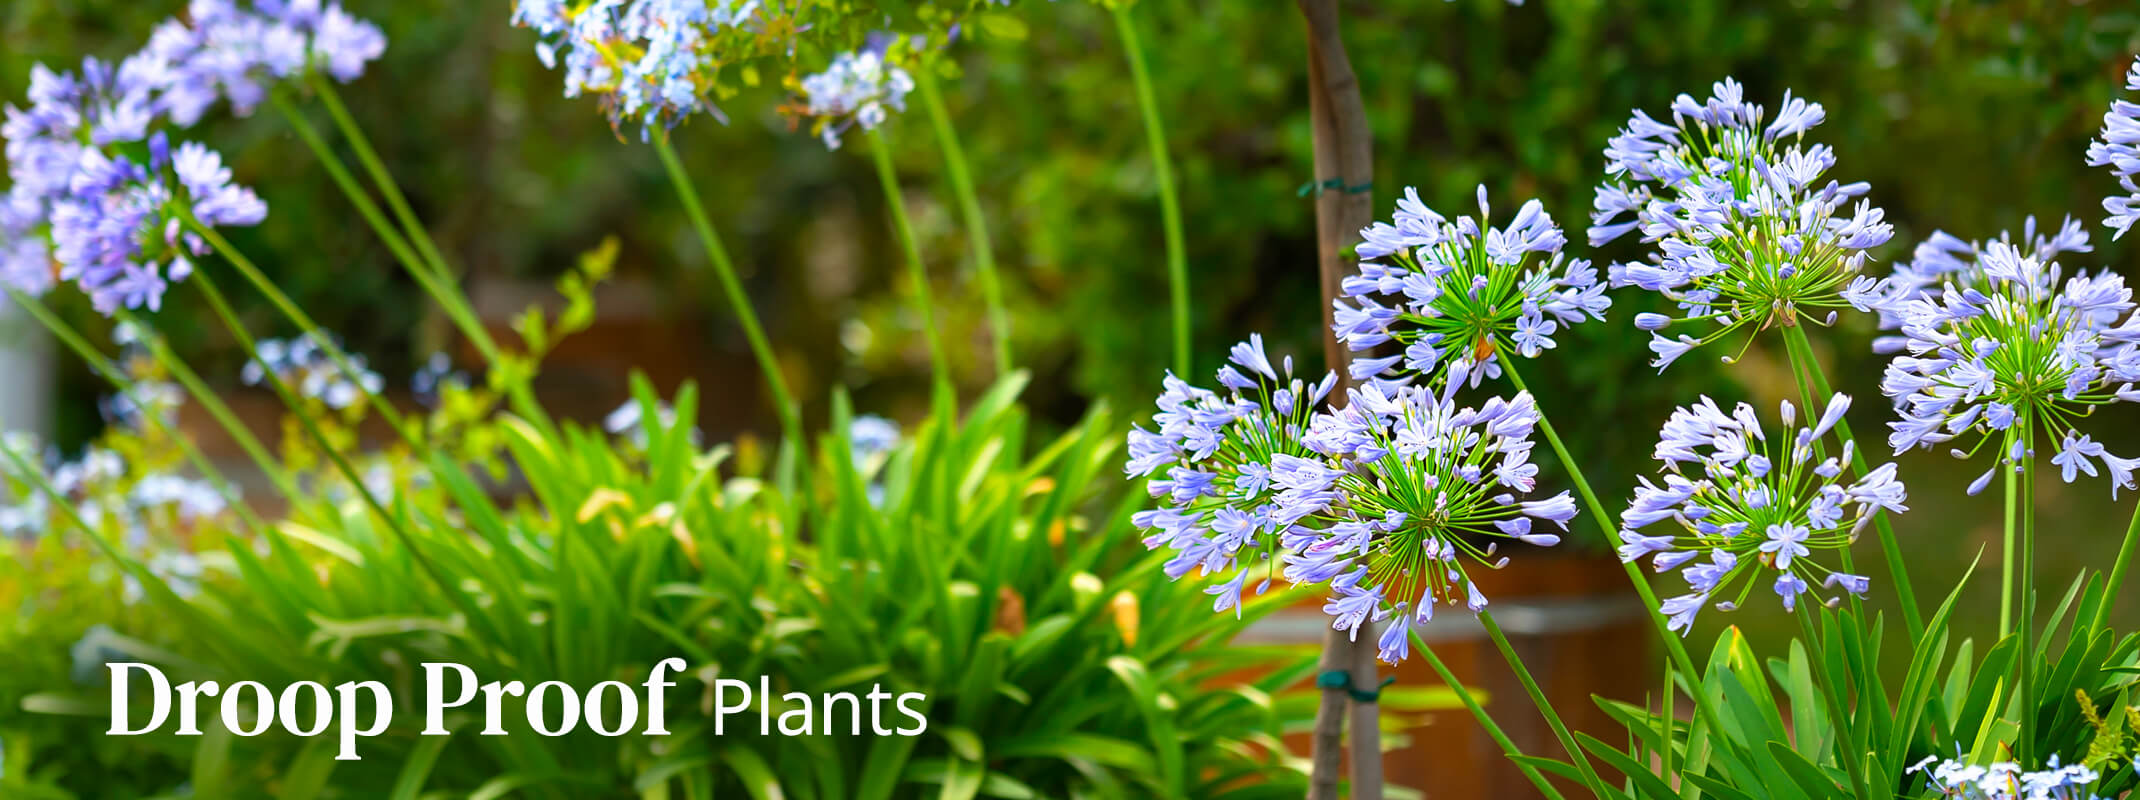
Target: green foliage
(953, 565)
(1781, 736)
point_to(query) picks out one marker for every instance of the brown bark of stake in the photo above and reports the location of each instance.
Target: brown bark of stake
(1344, 152)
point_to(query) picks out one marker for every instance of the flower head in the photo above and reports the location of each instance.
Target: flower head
(305, 365)
(2118, 147)
(854, 91)
(649, 61)
(1231, 472)
(1760, 509)
(2012, 351)
(1747, 235)
(1957, 778)
(1943, 258)
(1455, 293)
(1427, 492)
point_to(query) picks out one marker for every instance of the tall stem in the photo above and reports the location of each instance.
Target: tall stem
(880, 149)
(429, 269)
(380, 177)
(984, 255)
(1576, 755)
(1486, 721)
(725, 272)
(1897, 568)
(289, 309)
(1163, 175)
(1803, 362)
(2025, 613)
(1674, 648)
(2006, 540)
(426, 276)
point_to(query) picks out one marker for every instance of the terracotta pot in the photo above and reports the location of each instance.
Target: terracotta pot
(1577, 625)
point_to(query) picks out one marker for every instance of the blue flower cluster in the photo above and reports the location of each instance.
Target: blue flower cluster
(647, 60)
(1957, 778)
(1232, 472)
(1421, 488)
(304, 365)
(1941, 258)
(854, 91)
(96, 187)
(1747, 235)
(2008, 342)
(2118, 148)
(1757, 507)
(1386, 500)
(1454, 294)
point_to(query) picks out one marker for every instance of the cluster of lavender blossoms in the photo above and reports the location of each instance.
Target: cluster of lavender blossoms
(1387, 500)
(303, 363)
(2005, 348)
(2118, 147)
(1747, 235)
(1957, 778)
(854, 91)
(1758, 507)
(1232, 471)
(96, 187)
(1454, 295)
(650, 61)
(1411, 489)
(1942, 258)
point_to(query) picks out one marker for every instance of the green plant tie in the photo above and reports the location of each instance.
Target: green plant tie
(1342, 679)
(1336, 184)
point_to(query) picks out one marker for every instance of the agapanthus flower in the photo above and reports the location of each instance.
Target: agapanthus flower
(1747, 235)
(1454, 294)
(222, 49)
(1424, 492)
(2118, 147)
(872, 436)
(1760, 511)
(1957, 778)
(649, 61)
(1231, 472)
(2014, 348)
(854, 91)
(120, 231)
(303, 363)
(1943, 258)
(96, 188)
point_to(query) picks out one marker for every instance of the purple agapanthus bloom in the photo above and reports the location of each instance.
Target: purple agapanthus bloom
(98, 195)
(1231, 472)
(1425, 491)
(1758, 511)
(1747, 235)
(2118, 147)
(854, 91)
(650, 61)
(2013, 352)
(1942, 259)
(1453, 294)
(228, 50)
(305, 364)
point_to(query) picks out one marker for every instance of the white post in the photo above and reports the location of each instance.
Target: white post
(25, 373)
